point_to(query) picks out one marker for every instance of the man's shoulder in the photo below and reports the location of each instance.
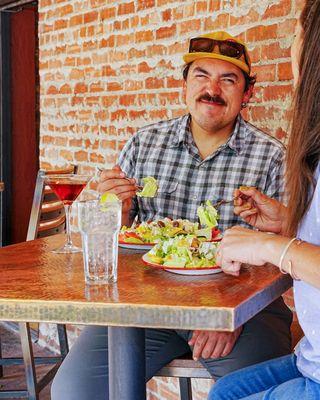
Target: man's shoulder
(164, 127)
(263, 138)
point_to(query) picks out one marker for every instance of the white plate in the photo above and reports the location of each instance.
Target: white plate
(182, 271)
(135, 246)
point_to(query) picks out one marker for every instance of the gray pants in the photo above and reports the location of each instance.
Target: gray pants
(84, 373)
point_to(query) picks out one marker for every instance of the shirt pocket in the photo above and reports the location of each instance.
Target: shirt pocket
(167, 188)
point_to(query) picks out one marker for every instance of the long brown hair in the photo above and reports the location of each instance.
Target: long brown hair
(303, 152)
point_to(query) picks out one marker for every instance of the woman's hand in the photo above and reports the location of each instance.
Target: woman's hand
(259, 210)
(240, 245)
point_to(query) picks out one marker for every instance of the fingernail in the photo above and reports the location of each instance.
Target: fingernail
(195, 358)
(122, 174)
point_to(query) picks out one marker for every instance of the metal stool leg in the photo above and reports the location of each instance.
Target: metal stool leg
(1, 368)
(27, 353)
(185, 389)
(63, 340)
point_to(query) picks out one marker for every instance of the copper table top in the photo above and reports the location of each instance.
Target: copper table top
(38, 285)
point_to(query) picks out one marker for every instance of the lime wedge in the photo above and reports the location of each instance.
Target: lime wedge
(150, 187)
(108, 197)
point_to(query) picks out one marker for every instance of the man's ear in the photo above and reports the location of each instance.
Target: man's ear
(248, 94)
(184, 90)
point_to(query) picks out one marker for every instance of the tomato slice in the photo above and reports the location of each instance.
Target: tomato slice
(214, 233)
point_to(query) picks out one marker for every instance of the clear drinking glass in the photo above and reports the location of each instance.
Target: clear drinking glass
(99, 226)
(67, 187)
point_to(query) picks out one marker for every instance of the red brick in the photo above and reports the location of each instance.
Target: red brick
(81, 155)
(273, 51)
(136, 114)
(127, 100)
(60, 24)
(174, 83)
(108, 13)
(169, 98)
(131, 85)
(249, 18)
(119, 114)
(286, 28)
(166, 31)
(126, 8)
(66, 155)
(90, 17)
(123, 40)
(143, 67)
(214, 5)
(277, 93)
(285, 71)
(201, 6)
(154, 83)
(76, 20)
(261, 32)
(145, 4)
(280, 9)
(65, 89)
(156, 50)
(113, 86)
(265, 73)
(193, 25)
(52, 90)
(143, 36)
(107, 42)
(80, 88)
(211, 24)
(108, 71)
(166, 15)
(67, 9)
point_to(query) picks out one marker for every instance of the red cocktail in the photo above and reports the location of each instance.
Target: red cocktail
(67, 187)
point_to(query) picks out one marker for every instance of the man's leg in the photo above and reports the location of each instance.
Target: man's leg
(265, 336)
(84, 373)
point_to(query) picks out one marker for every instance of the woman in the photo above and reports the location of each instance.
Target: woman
(296, 376)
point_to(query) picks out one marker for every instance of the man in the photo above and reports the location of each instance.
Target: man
(204, 155)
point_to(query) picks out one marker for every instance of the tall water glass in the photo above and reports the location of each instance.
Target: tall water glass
(99, 226)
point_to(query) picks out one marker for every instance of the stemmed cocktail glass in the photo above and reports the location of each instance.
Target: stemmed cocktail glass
(67, 187)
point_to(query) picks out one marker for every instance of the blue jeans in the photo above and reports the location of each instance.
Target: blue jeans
(277, 379)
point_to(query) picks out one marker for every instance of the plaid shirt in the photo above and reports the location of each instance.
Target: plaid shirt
(166, 151)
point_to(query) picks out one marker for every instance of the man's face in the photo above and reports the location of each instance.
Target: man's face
(214, 91)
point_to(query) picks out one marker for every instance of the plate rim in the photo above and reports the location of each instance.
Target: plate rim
(165, 267)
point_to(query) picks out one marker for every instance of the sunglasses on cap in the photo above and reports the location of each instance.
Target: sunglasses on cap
(228, 48)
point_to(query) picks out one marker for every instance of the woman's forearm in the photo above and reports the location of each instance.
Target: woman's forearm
(304, 258)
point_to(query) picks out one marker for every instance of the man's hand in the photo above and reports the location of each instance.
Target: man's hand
(115, 181)
(259, 210)
(212, 344)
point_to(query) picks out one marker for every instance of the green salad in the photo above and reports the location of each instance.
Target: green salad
(184, 252)
(154, 231)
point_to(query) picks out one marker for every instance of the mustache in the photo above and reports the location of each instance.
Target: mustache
(214, 99)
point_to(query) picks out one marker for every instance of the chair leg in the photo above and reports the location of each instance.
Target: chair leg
(185, 389)
(1, 368)
(27, 352)
(63, 340)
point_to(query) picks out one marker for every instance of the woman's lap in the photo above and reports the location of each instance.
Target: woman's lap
(277, 379)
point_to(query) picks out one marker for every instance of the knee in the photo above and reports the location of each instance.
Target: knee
(218, 391)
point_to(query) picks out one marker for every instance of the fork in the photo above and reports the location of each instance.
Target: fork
(222, 202)
(128, 179)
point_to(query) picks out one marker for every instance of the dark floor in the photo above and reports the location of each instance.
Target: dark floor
(14, 377)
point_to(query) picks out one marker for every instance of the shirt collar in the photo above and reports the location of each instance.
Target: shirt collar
(182, 133)
(237, 139)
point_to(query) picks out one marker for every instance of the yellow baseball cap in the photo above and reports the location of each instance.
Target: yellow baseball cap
(232, 50)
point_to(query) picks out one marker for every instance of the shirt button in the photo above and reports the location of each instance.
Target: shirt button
(195, 197)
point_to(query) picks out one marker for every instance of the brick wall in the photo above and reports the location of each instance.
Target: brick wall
(108, 67)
